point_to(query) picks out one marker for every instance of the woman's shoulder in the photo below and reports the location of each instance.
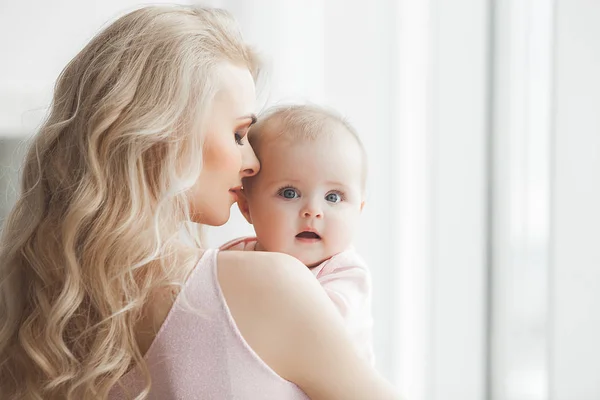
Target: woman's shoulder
(254, 274)
(259, 265)
(260, 289)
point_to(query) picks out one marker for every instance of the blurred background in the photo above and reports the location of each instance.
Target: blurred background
(481, 121)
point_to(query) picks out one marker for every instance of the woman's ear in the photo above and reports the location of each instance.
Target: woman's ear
(242, 202)
(362, 206)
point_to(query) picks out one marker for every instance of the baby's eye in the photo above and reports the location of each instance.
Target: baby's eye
(333, 197)
(289, 193)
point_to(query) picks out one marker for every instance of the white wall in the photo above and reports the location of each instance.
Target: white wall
(544, 317)
(460, 166)
(520, 226)
(37, 39)
(575, 268)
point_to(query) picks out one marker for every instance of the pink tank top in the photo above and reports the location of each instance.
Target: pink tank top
(199, 353)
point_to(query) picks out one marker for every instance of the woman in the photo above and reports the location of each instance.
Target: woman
(102, 294)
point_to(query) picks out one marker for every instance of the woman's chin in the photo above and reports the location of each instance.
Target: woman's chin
(212, 220)
(217, 220)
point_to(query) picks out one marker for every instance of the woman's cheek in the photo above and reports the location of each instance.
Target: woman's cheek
(231, 158)
(221, 153)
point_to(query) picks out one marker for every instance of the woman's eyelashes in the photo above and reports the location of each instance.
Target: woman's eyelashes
(239, 138)
(240, 134)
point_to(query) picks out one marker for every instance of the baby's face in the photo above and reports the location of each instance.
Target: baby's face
(307, 198)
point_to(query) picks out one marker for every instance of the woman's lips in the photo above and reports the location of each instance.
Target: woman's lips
(234, 191)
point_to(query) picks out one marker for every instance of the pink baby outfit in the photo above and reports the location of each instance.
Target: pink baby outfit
(199, 352)
(347, 281)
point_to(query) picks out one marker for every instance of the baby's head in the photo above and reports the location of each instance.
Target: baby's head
(307, 198)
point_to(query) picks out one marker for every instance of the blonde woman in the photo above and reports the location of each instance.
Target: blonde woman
(102, 295)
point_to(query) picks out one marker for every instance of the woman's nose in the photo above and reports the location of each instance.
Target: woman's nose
(250, 163)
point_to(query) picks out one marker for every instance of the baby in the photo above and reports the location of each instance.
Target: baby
(306, 201)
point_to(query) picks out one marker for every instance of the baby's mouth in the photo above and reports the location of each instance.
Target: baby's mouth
(307, 235)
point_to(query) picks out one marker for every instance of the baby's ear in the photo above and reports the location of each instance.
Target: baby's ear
(242, 202)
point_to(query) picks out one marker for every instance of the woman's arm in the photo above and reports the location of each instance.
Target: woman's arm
(347, 282)
(288, 320)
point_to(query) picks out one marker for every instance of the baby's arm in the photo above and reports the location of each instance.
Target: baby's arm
(347, 282)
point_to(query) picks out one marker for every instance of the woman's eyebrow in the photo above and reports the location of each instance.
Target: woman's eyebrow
(251, 117)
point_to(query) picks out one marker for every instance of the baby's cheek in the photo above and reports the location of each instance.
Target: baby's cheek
(346, 226)
(346, 221)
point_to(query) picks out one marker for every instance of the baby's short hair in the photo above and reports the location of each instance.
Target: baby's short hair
(302, 122)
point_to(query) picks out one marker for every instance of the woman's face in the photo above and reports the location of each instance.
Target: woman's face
(228, 156)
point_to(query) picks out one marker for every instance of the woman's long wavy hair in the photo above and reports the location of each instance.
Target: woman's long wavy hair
(97, 226)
